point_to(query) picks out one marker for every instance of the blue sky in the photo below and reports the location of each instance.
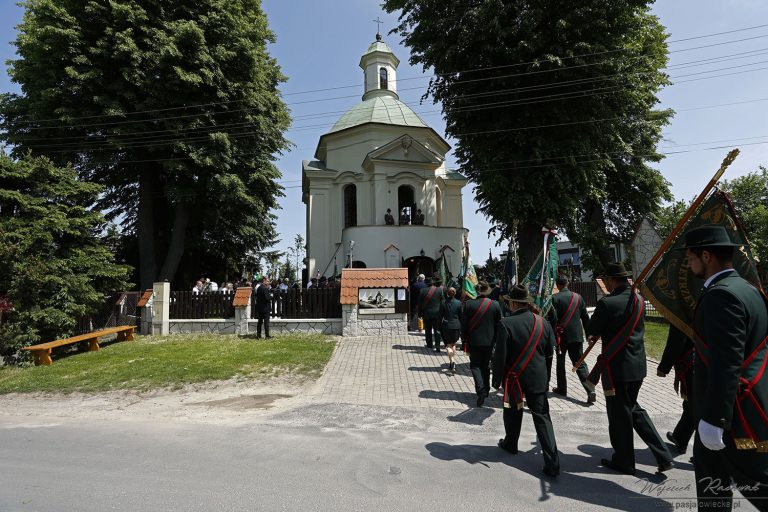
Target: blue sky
(319, 46)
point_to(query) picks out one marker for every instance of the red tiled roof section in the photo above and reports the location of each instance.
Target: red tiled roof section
(144, 298)
(242, 295)
(354, 278)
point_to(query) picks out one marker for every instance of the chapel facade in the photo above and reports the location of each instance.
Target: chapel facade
(381, 156)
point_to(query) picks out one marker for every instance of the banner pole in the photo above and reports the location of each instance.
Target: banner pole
(727, 161)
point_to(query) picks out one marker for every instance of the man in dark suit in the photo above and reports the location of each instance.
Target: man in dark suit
(479, 320)
(523, 343)
(416, 288)
(568, 317)
(263, 307)
(678, 353)
(619, 320)
(389, 220)
(429, 309)
(730, 384)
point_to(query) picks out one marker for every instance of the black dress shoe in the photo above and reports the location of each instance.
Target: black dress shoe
(608, 463)
(480, 401)
(559, 391)
(665, 466)
(671, 438)
(553, 472)
(452, 367)
(437, 350)
(591, 398)
(507, 448)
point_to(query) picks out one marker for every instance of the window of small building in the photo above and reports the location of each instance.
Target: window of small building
(383, 83)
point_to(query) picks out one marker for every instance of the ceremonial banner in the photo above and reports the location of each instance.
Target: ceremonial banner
(510, 270)
(444, 272)
(671, 286)
(541, 278)
(469, 277)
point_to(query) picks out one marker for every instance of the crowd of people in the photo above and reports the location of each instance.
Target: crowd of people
(720, 373)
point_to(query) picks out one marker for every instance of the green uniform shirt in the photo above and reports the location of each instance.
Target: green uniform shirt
(573, 332)
(511, 337)
(485, 328)
(430, 308)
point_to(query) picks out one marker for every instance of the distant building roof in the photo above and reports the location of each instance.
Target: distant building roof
(352, 279)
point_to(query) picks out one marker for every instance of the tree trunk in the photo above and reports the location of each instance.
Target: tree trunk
(600, 246)
(176, 244)
(146, 229)
(530, 242)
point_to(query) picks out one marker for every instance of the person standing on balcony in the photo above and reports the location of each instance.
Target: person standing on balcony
(389, 220)
(263, 307)
(418, 218)
(405, 219)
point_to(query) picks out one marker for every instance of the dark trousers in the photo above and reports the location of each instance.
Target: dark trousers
(716, 470)
(539, 407)
(574, 350)
(480, 366)
(685, 426)
(263, 320)
(626, 415)
(432, 328)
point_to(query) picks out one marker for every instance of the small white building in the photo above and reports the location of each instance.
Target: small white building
(380, 155)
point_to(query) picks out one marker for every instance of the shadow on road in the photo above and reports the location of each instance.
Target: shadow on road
(630, 494)
(474, 416)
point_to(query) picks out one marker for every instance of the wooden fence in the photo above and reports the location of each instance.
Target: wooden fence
(304, 303)
(189, 305)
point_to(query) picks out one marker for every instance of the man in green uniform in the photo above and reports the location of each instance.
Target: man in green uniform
(568, 317)
(678, 353)
(619, 320)
(429, 309)
(730, 382)
(524, 342)
(479, 320)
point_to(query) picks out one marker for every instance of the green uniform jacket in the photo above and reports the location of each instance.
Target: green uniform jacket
(511, 336)
(430, 309)
(678, 344)
(450, 313)
(485, 331)
(573, 332)
(611, 314)
(730, 323)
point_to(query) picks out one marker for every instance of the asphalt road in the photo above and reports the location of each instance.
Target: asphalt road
(323, 457)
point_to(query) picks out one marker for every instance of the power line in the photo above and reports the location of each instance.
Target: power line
(167, 109)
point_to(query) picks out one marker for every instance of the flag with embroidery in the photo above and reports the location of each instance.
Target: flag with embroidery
(540, 279)
(469, 277)
(671, 286)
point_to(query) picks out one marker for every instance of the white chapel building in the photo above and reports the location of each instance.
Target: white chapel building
(380, 155)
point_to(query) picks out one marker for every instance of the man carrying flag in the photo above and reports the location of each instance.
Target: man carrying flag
(619, 320)
(730, 381)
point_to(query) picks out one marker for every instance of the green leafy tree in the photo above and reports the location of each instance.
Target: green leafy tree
(749, 194)
(172, 106)
(552, 104)
(666, 217)
(55, 262)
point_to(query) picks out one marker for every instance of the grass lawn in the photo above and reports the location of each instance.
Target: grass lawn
(171, 362)
(655, 339)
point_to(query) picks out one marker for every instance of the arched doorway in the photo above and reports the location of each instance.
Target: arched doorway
(419, 265)
(406, 199)
(358, 264)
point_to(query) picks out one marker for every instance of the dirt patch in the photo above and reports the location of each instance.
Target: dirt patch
(232, 402)
(241, 403)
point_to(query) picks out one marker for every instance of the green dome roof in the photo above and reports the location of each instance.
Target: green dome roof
(383, 109)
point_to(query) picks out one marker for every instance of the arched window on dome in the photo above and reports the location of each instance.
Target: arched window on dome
(350, 206)
(383, 78)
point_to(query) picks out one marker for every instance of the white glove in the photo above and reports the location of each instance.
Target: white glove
(711, 436)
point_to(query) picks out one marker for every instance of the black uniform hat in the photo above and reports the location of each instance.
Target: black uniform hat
(615, 269)
(708, 236)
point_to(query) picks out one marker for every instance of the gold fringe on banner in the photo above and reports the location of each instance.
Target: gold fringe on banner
(744, 443)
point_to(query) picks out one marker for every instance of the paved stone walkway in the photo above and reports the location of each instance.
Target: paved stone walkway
(401, 371)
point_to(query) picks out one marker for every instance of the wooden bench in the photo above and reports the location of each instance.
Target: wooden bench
(42, 352)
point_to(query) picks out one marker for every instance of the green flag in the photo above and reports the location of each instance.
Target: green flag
(541, 278)
(672, 288)
(469, 277)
